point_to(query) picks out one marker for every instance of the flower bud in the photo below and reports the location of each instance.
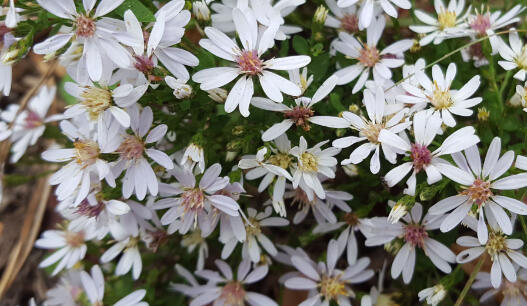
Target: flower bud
(181, 89)
(201, 11)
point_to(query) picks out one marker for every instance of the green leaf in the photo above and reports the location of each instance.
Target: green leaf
(140, 11)
(300, 45)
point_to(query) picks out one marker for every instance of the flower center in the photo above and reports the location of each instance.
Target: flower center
(96, 100)
(351, 219)
(32, 120)
(479, 192)
(332, 287)
(253, 227)
(446, 19)
(481, 23)
(86, 152)
(300, 114)
(88, 210)
(415, 234)
(132, 147)
(420, 155)
(74, 239)
(249, 62)
(371, 132)
(350, 23)
(302, 199)
(369, 56)
(233, 294)
(193, 200)
(521, 59)
(281, 160)
(441, 99)
(497, 243)
(308, 162)
(85, 27)
(143, 63)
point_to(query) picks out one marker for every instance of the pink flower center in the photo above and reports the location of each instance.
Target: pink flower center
(350, 23)
(131, 148)
(479, 192)
(415, 234)
(86, 209)
(300, 114)
(249, 62)
(369, 56)
(85, 26)
(233, 294)
(143, 63)
(193, 199)
(480, 24)
(74, 239)
(421, 156)
(302, 199)
(33, 120)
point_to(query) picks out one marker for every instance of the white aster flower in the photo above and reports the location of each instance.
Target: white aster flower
(482, 20)
(414, 232)
(439, 94)
(425, 127)
(433, 295)
(310, 162)
(479, 186)
(369, 129)
(85, 158)
(66, 291)
(94, 31)
(300, 78)
(370, 8)
(130, 259)
(6, 69)
(249, 63)
(255, 240)
(502, 251)
(514, 56)
(93, 285)
(29, 125)
(158, 44)
(324, 281)
(345, 18)
(71, 245)
(226, 289)
(181, 89)
(196, 240)
(201, 10)
(139, 176)
(522, 92)
(514, 293)
(450, 22)
(301, 114)
(193, 156)
(193, 202)
(368, 57)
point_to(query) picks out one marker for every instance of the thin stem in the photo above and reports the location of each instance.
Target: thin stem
(470, 281)
(524, 225)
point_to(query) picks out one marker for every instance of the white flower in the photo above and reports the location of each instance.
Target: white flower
(71, 245)
(92, 30)
(93, 285)
(325, 282)
(501, 251)
(515, 55)
(522, 92)
(433, 295)
(139, 176)
(29, 125)
(425, 128)
(475, 53)
(131, 258)
(513, 292)
(310, 162)
(192, 203)
(346, 18)
(248, 63)
(6, 70)
(414, 233)
(253, 227)
(196, 240)
(300, 78)
(477, 195)
(218, 94)
(369, 58)
(201, 10)
(85, 158)
(301, 114)
(369, 129)
(12, 16)
(438, 93)
(449, 23)
(225, 289)
(181, 89)
(481, 21)
(95, 101)
(193, 156)
(66, 290)
(370, 8)
(167, 31)
(275, 166)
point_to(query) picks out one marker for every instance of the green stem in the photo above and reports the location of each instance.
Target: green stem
(524, 225)
(470, 281)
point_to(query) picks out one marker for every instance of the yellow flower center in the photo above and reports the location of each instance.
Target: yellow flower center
(96, 100)
(446, 19)
(281, 160)
(441, 99)
(308, 162)
(253, 227)
(332, 287)
(521, 59)
(497, 243)
(86, 152)
(371, 132)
